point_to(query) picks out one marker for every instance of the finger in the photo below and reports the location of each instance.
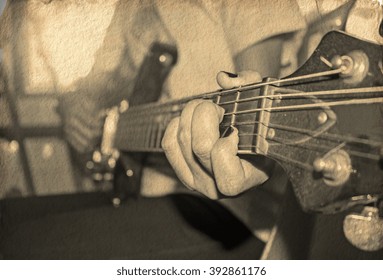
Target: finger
(232, 174)
(184, 134)
(92, 119)
(202, 179)
(80, 136)
(76, 140)
(87, 103)
(174, 154)
(86, 112)
(205, 131)
(228, 80)
(89, 133)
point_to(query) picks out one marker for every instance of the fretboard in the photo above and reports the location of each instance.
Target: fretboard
(141, 128)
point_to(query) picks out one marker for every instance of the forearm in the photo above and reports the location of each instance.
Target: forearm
(255, 58)
(109, 88)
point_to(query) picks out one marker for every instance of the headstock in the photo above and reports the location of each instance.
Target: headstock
(324, 125)
(328, 131)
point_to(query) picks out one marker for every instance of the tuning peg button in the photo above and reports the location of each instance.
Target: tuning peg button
(335, 168)
(354, 66)
(365, 230)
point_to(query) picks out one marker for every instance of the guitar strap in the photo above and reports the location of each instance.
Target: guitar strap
(148, 87)
(152, 74)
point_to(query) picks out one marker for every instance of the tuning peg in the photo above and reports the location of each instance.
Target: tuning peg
(364, 230)
(335, 168)
(354, 66)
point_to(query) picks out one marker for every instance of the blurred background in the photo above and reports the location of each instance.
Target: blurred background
(48, 45)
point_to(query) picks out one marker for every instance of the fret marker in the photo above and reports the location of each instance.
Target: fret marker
(112, 163)
(322, 117)
(90, 165)
(129, 173)
(116, 202)
(271, 133)
(97, 157)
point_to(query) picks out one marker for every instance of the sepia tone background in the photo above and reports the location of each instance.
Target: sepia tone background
(48, 46)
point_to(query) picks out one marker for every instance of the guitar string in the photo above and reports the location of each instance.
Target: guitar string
(325, 135)
(292, 161)
(311, 106)
(279, 156)
(281, 141)
(286, 159)
(330, 93)
(371, 156)
(366, 155)
(172, 108)
(269, 153)
(178, 108)
(306, 146)
(247, 87)
(322, 148)
(136, 141)
(302, 94)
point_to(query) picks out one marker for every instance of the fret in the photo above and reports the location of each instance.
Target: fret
(218, 99)
(233, 116)
(263, 117)
(153, 135)
(137, 134)
(149, 129)
(159, 136)
(141, 133)
(142, 128)
(134, 134)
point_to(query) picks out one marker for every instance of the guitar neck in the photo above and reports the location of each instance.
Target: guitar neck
(321, 124)
(141, 128)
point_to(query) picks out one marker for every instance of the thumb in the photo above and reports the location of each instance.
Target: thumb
(228, 80)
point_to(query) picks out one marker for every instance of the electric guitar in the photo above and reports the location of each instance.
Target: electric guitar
(323, 124)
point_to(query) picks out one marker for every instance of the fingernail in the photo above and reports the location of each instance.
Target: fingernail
(227, 132)
(231, 75)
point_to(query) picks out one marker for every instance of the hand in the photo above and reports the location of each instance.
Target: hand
(83, 120)
(201, 159)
